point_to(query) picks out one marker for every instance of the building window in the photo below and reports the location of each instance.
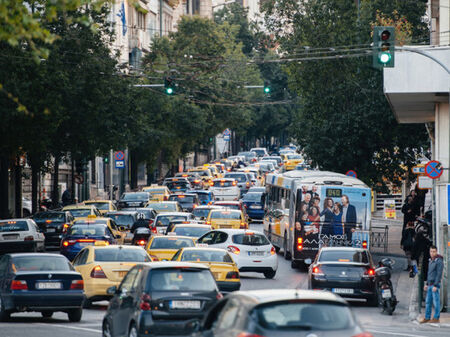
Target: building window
(196, 7)
(141, 20)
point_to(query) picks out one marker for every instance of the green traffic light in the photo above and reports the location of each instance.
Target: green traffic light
(266, 90)
(384, 57)
(169, 91)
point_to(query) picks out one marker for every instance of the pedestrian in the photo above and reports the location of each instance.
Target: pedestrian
(66, 197)
(432, 287)
(407, 242)
(407, 210)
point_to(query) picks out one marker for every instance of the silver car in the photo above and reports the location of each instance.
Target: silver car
(280, 313)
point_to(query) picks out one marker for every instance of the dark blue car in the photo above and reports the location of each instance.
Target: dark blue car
(81, 235)
(40, 282)
(205, 197)
(254, 205)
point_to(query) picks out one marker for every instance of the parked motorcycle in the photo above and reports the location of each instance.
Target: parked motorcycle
(141, 236)
(386, 297)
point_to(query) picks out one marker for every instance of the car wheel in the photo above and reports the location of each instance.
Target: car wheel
(270, 274)
(133, 331)
(106, 329)
(4, 315)
(47, 314)
(75, 315)
(294, 264)
(87, 303)
(286, 254)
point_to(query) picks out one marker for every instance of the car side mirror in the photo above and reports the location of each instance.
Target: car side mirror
(122, 228)
(111, 290)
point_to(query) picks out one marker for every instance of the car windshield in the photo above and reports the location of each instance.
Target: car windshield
(224, 183)
(191, 231)
(157, 191)
(225, 215)
(40, 263)
(122, 219)
(121, 254)
(135, 196)
(86, 230)
(250, 239)
(13, 226)
(181, 279)
(185, 199)
(206, 255)
(54, 216)
(294, 156)
(171, 243)
(164, 206)
(177, 185)
(299, 315)
(259, 152)
(198, 213)
(230, 206)
(203, 196)
(80, 213)
(100, 205)
(252, 197)
(344, 256)
(166, 219)
(239, 177)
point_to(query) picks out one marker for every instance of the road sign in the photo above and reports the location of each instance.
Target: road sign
(419, 169)
(120, 164)
(424, 183)
(119, 155)
(433, 169)
(78, 179)
(389, 209)
(351, 173)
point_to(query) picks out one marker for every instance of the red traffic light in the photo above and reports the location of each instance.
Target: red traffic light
(385, 35)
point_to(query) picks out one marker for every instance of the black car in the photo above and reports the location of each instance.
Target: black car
(345, 271)
(160, 298)
(123, 218)
(187, 201)
(40, 282)
(280, 312)
(193, 177)
(133, 199)
(177, 184)
(53, 224)
(147, 213)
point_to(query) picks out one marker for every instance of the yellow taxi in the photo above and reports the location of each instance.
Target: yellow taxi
(81, 211)
(292, 160)
(205, 174)
(157, 192)
(105, 266)
(226, 218)
(219, 261)
(214, 170)
(103, 206)
(164, 206)
(119, 232)
(163, 248)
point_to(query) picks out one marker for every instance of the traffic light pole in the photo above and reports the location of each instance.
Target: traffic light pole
(111, 175)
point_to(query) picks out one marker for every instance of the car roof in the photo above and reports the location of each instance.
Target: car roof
(196, 225)
(205, 248)
(223, 179)
(16, 219)
(224, 202)
(173, 213)
(171, 237)
(237, 231)
(33, 254)
(275, 295)
(345, 249)
(99, 218)
(80, 206)
(122, 212)
(228, 210)
(190, 194)
(115, 247)
(173, 264)
(209, 207)
(92, 201)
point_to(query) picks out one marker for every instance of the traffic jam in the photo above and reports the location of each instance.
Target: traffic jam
(169, 258)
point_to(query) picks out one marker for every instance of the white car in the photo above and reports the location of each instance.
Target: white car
(20, 235)
(163, 220)
(260, 151)
(225, 189)
(251, 250)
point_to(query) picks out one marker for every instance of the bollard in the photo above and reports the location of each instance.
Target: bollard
(420, 285)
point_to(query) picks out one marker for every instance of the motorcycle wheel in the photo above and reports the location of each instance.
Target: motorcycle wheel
(389, 308)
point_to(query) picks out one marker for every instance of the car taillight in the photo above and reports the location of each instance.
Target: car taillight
(219, 296)
(166, 198)
(154, 258)
(369, 273)
(234, 250)
(234, 183)
(150, 222)
(317, 272)
(243, 225)
(145, 302)
(363, 334)
(141, 242)
(77, 285)
(208, 222)
(364, 244)
(85, 240)
(272, 251)
(97, 272)
(29, 238)
(19, 285)
(247, 334)
(65, 227)
(299, 243)
(233, 275)
(211, 183)
(154, 230)
(194, 205)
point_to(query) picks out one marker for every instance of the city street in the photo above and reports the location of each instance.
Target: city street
(380, 325)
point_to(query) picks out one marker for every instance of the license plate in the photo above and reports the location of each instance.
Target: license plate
(51, 230)
(184, 305)
(256, 253)
(85, 244)
(342, 291)
(48, 285)
(255, 207)
(386, 293)
(10, 237)
(134, 203)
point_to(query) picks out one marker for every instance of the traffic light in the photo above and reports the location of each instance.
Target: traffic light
(106, 160)
(169, 85)
(383, 47)
(266, 87)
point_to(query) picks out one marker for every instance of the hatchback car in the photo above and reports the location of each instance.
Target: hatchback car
(254, 205)
(163, 248)
(193, 177)
(160, 298)
(226, 218)
(133, 199)
(346, 271)
(39, 282)
(260, 151)
(251, 250)
(225, 189)
(281, 312)
(187, 201)
(204, 197)
(159, 193)
(201, 212)
(244, 181)
(20, 235)
(191, 230)
(165, 206)
(177, 184)
(81, 211)
(103, 206)
(53, 224)
(163, 220)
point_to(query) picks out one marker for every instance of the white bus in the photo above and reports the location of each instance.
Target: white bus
(306, 210)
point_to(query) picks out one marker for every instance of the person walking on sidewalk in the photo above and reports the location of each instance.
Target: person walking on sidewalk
(432, 287)
(407, 243)
(408, 211)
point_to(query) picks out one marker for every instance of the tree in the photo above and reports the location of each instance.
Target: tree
(344, 121)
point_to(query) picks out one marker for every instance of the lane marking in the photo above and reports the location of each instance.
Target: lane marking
(395, 333)
(70, 327)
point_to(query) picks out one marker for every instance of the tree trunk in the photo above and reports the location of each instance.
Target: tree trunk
(35, 169)
(18, 188)
(134, 162)
(72, 182)
(196, 156)
(55, 180)
(4, 187)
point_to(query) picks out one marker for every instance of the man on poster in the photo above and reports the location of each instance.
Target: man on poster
(348, 216)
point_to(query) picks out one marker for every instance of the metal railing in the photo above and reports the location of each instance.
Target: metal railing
(379, 238)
